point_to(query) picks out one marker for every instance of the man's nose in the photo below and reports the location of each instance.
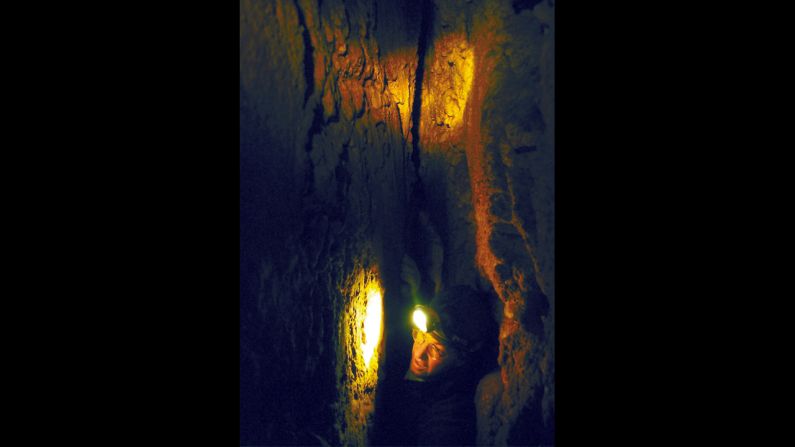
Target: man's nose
(421, 352)
(424, 353)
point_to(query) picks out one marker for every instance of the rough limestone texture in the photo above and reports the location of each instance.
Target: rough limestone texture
(510, 153)
(449, 69)
(324, 127)
(367, 129)
(486, 131)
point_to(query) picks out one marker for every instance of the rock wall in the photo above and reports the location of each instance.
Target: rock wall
(510, 154)
(360, 122)
(325, 169)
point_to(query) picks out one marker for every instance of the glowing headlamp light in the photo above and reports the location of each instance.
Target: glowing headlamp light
(420, 320)
(426, 320)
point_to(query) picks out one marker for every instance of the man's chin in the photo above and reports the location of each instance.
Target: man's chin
(417, 371)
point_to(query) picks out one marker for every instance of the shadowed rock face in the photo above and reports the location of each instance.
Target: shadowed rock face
(363, 124)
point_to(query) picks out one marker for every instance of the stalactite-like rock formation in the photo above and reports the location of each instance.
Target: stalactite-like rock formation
(510, 153)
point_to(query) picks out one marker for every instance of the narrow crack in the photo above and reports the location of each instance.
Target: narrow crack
(417, 198)
(309, 62)
(314, 129)
(426, 28)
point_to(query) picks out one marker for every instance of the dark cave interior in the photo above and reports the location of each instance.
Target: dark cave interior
(377, 136)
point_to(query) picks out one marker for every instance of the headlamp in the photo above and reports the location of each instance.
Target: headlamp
(420, 320)
(427, 320)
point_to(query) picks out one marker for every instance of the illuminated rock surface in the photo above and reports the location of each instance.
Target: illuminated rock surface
(339, 156)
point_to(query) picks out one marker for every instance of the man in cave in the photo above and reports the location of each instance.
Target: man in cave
(454, 346)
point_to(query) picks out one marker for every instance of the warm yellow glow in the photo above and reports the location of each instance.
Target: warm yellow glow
(420, 320)
(372, 324)
(448, 80)
(462, 74)
(400, 67)
(359, 355)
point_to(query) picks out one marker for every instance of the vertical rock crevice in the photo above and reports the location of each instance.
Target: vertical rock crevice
(309, 64)
(426, 35)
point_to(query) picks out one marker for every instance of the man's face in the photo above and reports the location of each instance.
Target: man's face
(429, 356)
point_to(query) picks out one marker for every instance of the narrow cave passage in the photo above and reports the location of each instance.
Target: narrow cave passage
(390, 151)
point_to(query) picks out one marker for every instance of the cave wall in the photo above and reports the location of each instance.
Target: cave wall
(510, 154)
(324, 128)
(487, 164)
(338, 155)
